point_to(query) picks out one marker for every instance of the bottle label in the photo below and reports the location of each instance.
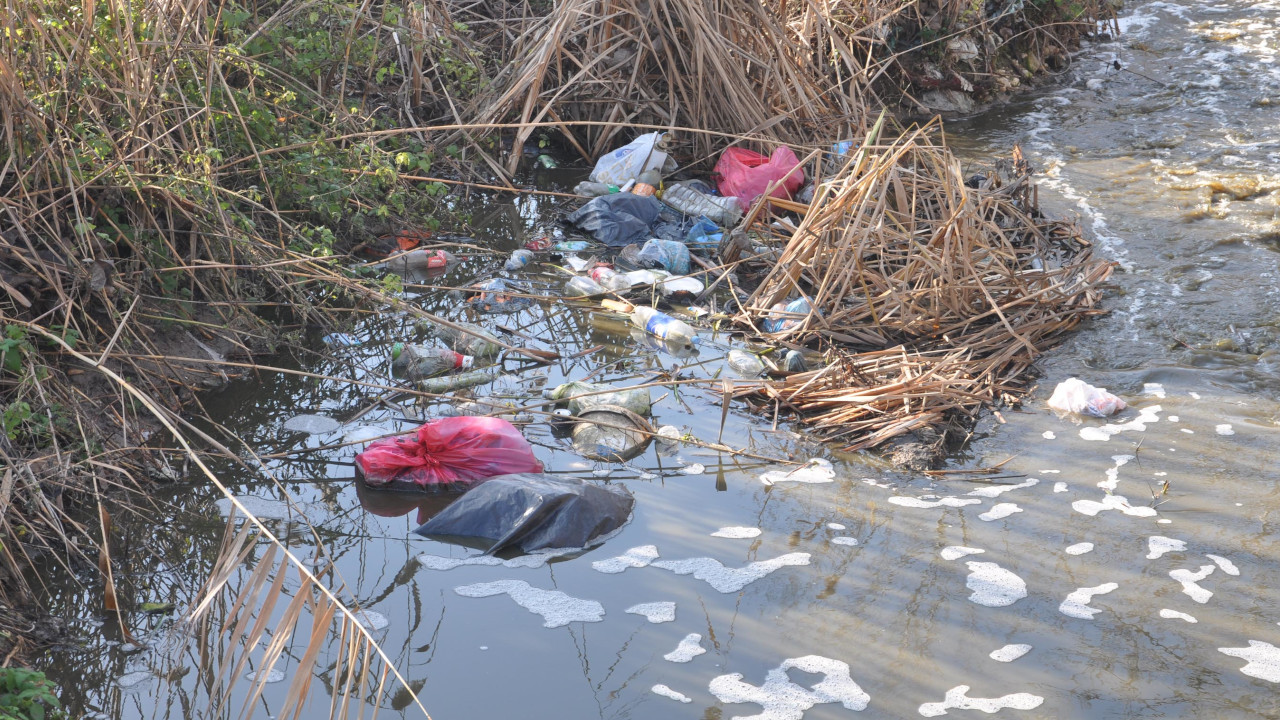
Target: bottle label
(657, 326)
(463, 361)
(438, 260)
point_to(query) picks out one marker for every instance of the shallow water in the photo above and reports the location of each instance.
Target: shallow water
(1140, 569)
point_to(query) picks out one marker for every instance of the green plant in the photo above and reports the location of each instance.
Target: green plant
(27, 695)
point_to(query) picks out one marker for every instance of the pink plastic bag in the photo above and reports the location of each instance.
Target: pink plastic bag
(449, 450)
(746, 175)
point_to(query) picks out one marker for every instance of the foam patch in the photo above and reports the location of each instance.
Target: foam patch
(1009, 653)
(556, 608)
(1224, 564)
(993, 586)
(956, 700)
(1158, 545)
(688, 649)
(835, 526)
(1224, 429)
(1079, 548)
(783, 699)
(736, 533)
(999, 511)
(1049, 435)
(1111, 502)
(844, 541)
(816, 470)
(1264, 660)
(1077, 603)
(940, 502)
(667, 692)
(955, 552)
(370, 620)
(1168, 614)
(1060, 487)
(998, 490)
(1190, 582)
(655, 612)
(727, 580)
(1138, 424)
(636, 557)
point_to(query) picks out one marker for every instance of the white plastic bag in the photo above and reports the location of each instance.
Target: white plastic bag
(627, 162)
(1077, 396)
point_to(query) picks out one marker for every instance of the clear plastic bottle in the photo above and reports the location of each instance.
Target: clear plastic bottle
(586, 188)
(723, 211)
(571, 246)
(421, 260)
(662, 325)
(579, 286)
(518, 259)
(476, 342)
(794, 362)
(448, 383)
(610, 279)
(421, 361)
(637, 400)
(647, 184)
(745, 364)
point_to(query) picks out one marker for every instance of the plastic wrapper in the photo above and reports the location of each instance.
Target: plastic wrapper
(617, 219)
(626, 163)
(746, 174)
(448, 452)
(670, 255)
(530, 512)
(1077, 396)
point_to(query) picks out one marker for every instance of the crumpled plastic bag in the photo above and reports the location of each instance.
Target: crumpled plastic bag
(670, 255)
(1077, 396)
(532, 512)
(746, 174)
(446, 452)
(627, 162)
(618, 219)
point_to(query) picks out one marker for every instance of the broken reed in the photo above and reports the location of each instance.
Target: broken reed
(934, 295)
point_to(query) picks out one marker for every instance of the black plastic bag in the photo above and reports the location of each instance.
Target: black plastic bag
(617, 219)
(530, 512)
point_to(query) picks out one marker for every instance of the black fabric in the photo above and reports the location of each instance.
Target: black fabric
(531, 512)
(617, 219)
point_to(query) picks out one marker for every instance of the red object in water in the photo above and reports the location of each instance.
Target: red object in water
(745, 175)
(410, 239)
(542, 243)
(449, 450)
(438, 259)
(602, 272)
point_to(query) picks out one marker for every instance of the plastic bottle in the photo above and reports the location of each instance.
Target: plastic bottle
(610, 279)
(421, 361)
(720, 210)
(579, 286)
(662, 325)
(647, 184)
(420, 260)
(794, 362)
(456, 382)
(571, 246)
(547, 161)
(541, 243)
(477, 342)
(518, 259)
(777, 322)
(586, 188)
(637, 400)
(745, 364)
(671, 255)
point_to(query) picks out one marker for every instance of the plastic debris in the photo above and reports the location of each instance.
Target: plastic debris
(586, 188)
(449, 383)
(745, 364)
(670, 255)
(686, 198)
(579, 286)
(420, 261)
(746, 174)
(476, 341)
(1077, 396)
(616, 220)
(662, 325)
(421, 361)
(785, 317)
(610, 433)
(518, 260)
(447, 452)
(637, 400)
(623, 165)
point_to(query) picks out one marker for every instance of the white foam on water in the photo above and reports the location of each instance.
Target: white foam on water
(816, 470)
(694, 469)
(363, 433)
(940, 502)
(993, 586)
(1001, 510)
(956, 700)
(636, 557)
(737, 533)
(273, 676)
(1050, 472)
(1060, 487)
(1190, 582)
(835, 526)
(1189, 431)
(782, 699)
(1079, 548)
(556, 608)
(727, 580)
(655, 612)
(1224, 564)
(1111, 502)
(994, 491)
(1224, 429)
(133, 680)
(371, 620)
(1139, 424)
(1009, 653)
(1113, 473)
(312, 424)
(1264, 660)
(1173, 418)
(667, 692)
(955, 552)
(688, 649)
(1194, 395)
(1158, 545)
(876, 483)
(1164, 521)
(842, 540)
(1155, 389)
(1077, 603)
(1168, 614)
(1049, 435)
(437, 562)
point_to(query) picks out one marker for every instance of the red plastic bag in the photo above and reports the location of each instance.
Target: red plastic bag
(746, 175)
(449, 450)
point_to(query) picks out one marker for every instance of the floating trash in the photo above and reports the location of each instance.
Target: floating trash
(311, 424)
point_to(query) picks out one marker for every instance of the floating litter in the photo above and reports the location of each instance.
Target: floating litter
(556, 608)
(273, 675)
(955, 552)
(1224, 564)
(816, 470)
(993, 586)
(1224, 429)
(1175, 615)
(737, 533)
(727, 580)
(1264, 660)
(311, 424)
(1158, 545)
(1190, 582)
(688, 649)
(783, 699)
(844, 540)
(655, 612)
(133, 680)
(1009, 653)
(667, 692)
(1077, 603)
(694, 469)
(956, 700)
(636, 557)
(1079, 548)
(1001, 510)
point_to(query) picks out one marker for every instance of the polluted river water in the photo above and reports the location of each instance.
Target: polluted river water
(1117, 568)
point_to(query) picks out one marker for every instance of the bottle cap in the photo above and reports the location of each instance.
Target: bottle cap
(465, 361)
(396, 350)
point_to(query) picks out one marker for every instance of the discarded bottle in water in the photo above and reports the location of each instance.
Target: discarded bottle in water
(662, 325)
(704, 235)
(579, 286)
(681, 288)
(476, 342)
(777, 322)
(610, 279)
(547, 161)
(647, 184)
(571, 246)
(720, 210)
(421, 260)
(586, 188)
(539, 243)
(745, 364)
(611, 433)
(637, 400)
(518, 259)
(794, 362)
(447, 383)
(421, 361)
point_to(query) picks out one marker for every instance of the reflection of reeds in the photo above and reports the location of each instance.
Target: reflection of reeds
(937, 294)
